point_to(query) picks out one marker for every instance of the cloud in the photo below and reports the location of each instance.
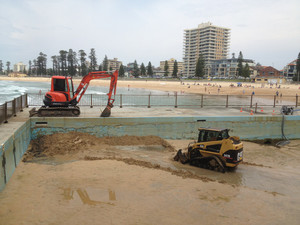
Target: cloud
(266, 31)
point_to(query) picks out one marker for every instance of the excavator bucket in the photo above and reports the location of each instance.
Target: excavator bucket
(106, 112)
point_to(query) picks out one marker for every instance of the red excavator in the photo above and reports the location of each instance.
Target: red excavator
(62, 100)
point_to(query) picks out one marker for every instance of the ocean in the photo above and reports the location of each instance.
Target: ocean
(12, 89)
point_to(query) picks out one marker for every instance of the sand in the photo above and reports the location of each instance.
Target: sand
(80, 179)
(192, 87)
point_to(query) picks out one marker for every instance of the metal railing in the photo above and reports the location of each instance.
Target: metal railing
(180, 100)
(10, 108)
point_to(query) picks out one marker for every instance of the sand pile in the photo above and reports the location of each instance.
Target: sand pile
(74, 142)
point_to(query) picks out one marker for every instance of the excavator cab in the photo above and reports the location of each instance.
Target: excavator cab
(64, 85)
(62, 92)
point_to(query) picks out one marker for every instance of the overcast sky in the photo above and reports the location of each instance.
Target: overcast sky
(267, 31)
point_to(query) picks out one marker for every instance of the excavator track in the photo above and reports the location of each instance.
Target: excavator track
(72, 111)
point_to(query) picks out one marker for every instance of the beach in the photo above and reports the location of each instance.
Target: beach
(188, 86)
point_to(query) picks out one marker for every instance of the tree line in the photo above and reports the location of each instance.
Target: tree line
(75, 63)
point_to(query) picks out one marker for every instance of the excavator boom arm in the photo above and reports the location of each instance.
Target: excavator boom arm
(84, 83)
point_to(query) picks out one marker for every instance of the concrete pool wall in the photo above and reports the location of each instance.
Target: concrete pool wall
(246, 127)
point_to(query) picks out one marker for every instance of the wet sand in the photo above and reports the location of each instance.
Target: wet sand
(79, 179)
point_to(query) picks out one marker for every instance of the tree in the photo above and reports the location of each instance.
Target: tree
(42, 64)
(121, 71)
(166, 68)
(240, 64)
(1, 67)
(29, 69)
(136, 70)
(200, 67)
(149, 70)
(54, 64)
(298, 67)
(175, 69)
(143, 69)
(63, 62)
(105, 63)
(82, 58)
(8, 67)
(93, 59)
(34, 70)
(246, 71)
(72, 62)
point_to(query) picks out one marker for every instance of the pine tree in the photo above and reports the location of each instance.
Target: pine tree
(93, 58)
(298, 67)
(246, 71)
(240, 64)
(166, 68)
(143, 70)
(105, 63)
(200, 67)
(8, 67)
(42, 64)
(82, 59)
(54, 64)
(63, 62)
(72, 62)
(1, 67)
(136, 70)
(121, 71)
(175, 69)
(149, 70)
(29, 69)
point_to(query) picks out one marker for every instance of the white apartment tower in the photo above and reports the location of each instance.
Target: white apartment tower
(209, 40)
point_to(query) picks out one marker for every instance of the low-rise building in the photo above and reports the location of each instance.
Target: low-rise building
(171, 66)
(268, 74)
(290, 70)
(226, 67)
(113, 64)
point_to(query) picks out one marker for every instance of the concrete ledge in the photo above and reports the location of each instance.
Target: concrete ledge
(246, 127)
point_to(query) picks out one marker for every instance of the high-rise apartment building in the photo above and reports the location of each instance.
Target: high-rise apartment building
(209, 40)
(19, 67)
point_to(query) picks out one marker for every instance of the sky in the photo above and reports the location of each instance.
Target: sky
(266, 31)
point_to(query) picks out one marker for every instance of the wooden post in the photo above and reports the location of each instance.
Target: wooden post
(296, 100)
(149, 101)
(274, 101)
(121, 106)
(227, 101)
(251, 101)
(201, 101)
(14, 106)
(91, 106)
(21, 103)
(176, 100)
(26, 100)
(255, 107)
(5, 112)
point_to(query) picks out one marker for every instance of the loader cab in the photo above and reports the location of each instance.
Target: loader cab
(206, 135)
